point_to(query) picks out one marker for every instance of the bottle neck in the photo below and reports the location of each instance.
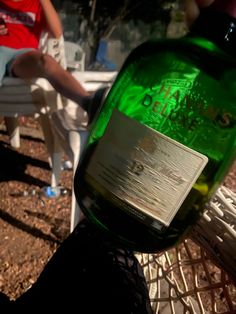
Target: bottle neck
(218, 27)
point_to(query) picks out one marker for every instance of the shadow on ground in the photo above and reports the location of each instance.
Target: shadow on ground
(13, 166)
(35, 232)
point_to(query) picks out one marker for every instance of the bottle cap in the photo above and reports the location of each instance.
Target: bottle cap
(227, 6)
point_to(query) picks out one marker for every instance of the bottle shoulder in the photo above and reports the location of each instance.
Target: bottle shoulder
(198, 51)
(185, 45)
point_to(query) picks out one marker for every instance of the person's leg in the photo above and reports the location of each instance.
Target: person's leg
(90, 275)
(33, 64)
(36, 64)
(6, 55)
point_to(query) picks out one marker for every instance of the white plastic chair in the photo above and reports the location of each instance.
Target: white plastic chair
(73, 141)
(36, 98)
(75, 56)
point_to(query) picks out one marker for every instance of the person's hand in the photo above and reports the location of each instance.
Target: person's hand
(192, 9)
(3, 28)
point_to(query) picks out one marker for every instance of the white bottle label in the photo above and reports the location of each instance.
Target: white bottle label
(145, 168)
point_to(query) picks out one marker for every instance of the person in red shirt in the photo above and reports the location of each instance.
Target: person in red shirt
(23, 22)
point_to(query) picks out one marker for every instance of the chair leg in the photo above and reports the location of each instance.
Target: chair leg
(77, 141)
(54, 149)
(13, 131)
(76, 213)
(56, 168)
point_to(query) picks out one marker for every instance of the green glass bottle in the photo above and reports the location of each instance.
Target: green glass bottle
(166, 136)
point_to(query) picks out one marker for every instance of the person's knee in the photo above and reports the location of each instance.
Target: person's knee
(49, 65)
(34, 64)
(28, 65)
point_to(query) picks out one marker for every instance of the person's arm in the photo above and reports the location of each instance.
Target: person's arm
(52, 19)
(192, 8)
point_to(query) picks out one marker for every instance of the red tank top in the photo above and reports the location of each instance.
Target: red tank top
(25, 22)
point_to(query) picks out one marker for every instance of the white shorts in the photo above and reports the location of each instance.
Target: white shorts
(7, 56)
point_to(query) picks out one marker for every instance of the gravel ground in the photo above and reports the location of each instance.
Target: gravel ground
(30, 228)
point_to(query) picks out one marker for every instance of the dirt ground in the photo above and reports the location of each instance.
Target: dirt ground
(31, 228)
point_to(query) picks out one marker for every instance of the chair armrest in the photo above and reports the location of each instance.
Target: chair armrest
(55, 47)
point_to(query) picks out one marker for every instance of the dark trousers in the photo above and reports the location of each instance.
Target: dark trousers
(88, 274)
